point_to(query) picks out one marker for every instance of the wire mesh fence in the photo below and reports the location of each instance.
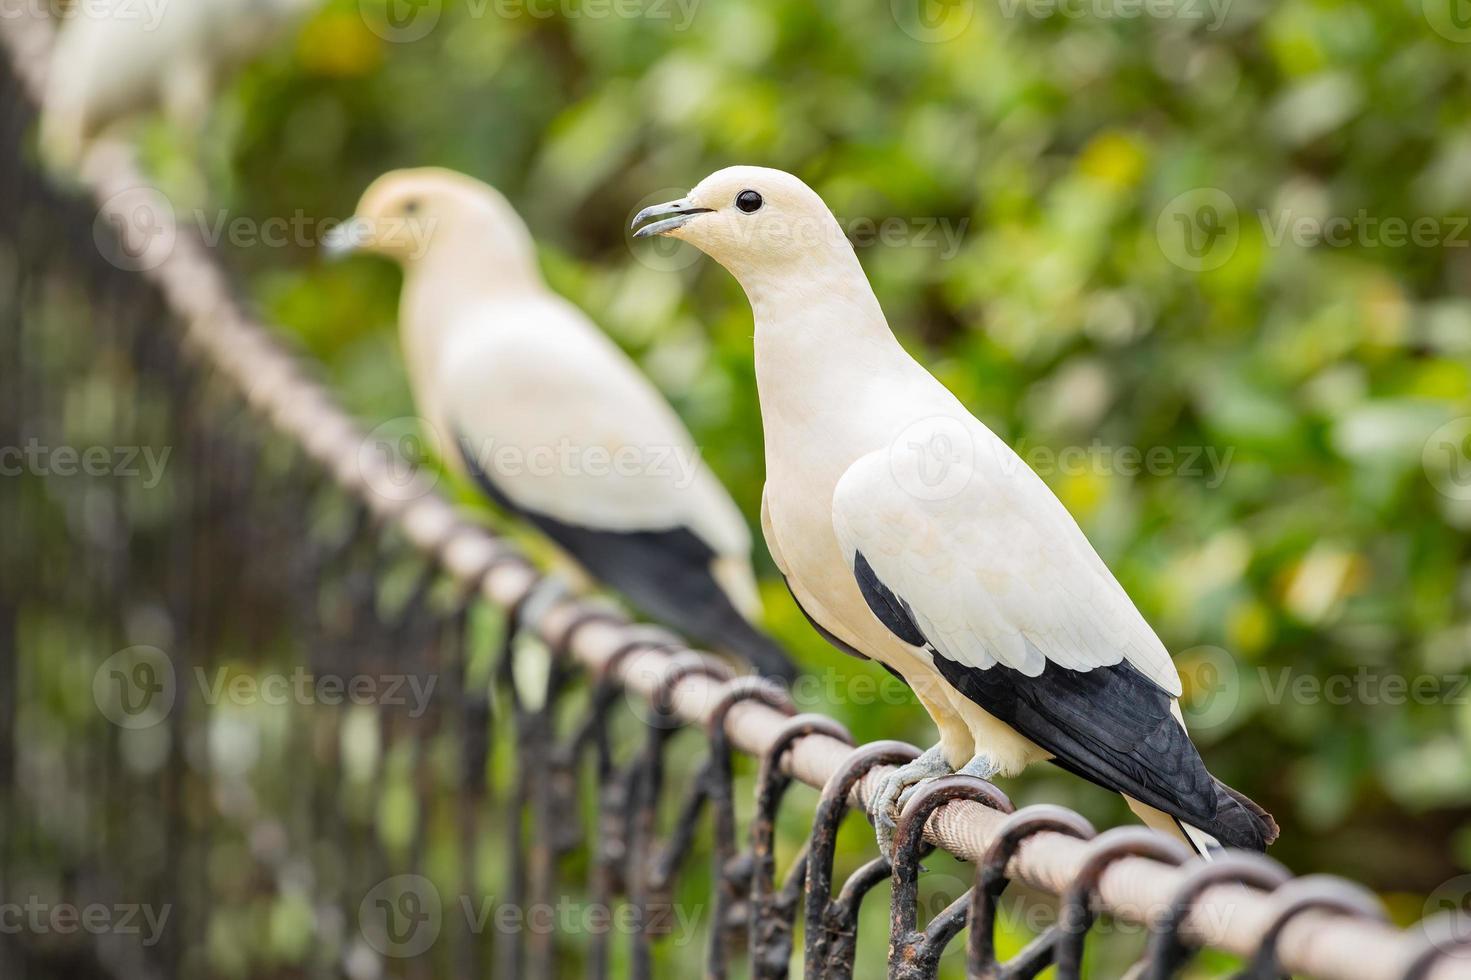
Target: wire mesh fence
(272, 707)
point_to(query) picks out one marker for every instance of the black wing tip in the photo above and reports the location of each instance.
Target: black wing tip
(763, 653)
(1242, 822)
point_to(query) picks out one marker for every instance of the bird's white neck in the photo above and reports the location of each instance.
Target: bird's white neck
(821, 338)
(438, 289)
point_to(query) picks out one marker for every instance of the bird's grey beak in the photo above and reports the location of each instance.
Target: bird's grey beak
(346, 238)
(675, 214)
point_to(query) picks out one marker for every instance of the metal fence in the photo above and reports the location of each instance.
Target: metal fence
(274, 541)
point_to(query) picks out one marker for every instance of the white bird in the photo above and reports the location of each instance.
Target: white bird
(550, 418)
(116, 58)
(911, 534)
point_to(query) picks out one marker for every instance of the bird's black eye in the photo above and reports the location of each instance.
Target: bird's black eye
(748, 201)
(411, 206)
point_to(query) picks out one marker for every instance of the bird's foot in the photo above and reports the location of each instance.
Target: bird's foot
(897, 787)
(981, 767)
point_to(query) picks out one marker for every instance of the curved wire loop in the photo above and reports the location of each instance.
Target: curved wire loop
(615, 787)
(648, 785)
(531, 869)
(1314, 893)
(832, 925)
(1167, 951)
(915, 954)
(732, 875)
(991, 882)
(772, 913)
(1075, 911)
(1444, 936)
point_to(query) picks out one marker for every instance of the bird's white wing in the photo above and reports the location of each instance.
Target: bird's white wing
(555, 422)
(565, 425)
(985, 560)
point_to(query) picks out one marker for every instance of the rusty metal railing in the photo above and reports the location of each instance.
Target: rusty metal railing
(1242, 904)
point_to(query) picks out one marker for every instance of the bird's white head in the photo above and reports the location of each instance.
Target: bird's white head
(755, 221)
(425, 215)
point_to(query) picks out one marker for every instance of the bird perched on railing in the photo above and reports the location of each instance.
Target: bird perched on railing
(117, 58)
(910, 533)
(550, 418)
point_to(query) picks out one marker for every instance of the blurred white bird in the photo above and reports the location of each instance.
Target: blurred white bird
(550, 418)
(115, 58)
(912, 534)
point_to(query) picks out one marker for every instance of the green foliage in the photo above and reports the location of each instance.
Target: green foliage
(1293, 536)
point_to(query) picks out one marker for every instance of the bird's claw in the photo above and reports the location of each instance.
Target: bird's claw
(896, 790)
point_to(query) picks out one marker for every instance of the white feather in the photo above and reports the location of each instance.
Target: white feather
(113, 58)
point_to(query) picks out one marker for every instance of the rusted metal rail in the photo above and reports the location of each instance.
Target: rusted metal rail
(1318, 927)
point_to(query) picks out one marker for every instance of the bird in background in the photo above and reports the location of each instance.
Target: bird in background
(115, 59)
(909, 533)
(551, 419)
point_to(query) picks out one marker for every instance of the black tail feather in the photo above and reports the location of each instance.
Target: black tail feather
(1240, 822)
(743, 640)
